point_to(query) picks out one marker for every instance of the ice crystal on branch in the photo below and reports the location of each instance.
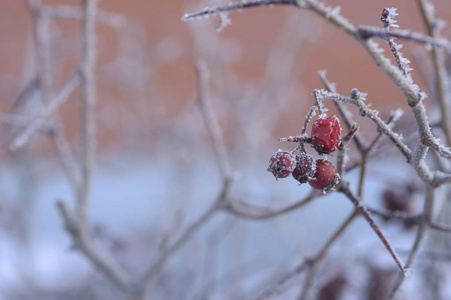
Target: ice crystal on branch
(387, 16)
(235, 6)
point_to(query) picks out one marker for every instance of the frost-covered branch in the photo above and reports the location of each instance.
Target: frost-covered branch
(421, 234)
(81, 241)
(88, 104)
(75, 12)
(344, 188)
(211, 122)
(344, 113)
(47, 111)
(433, 26)
(358, 99)
(236, 6)
(387, 16)
(368, 32)
(217, 139)
(249, 211)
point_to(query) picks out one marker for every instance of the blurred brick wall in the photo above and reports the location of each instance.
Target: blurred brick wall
(255, 30)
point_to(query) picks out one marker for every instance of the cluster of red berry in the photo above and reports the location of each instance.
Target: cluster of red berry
(321, 174)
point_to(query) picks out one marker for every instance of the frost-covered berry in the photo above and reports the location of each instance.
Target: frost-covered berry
(282, 164)
(326, 135)
(325, 177)
(304, 170)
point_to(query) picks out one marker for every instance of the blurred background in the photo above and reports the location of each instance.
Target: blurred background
(156, 170)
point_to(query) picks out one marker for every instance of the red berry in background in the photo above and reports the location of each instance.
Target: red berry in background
(334, 289)
(282, 164)
(304, 168)
(399, 199)
(325, 176)
(326, 135)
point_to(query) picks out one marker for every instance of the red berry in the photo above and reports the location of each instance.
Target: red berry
(326, 135)
(325, 176)
(282, 164)
(304, 168)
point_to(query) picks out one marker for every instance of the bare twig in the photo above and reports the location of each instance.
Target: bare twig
(44, 82)
(341, 159)
(367, 32)
(344, 113)
(88, 102)
(358, 100)
(236, 6)
(46, 112)
(211, 122)
(386, 18)
(266, 213)
(74, 12)
(21, 121)
(343, 188)
(275, 288)
(150, 274)
(315, 262)
(421, 233)
(399, 215)
(81, 241)
(441, 227)
(441, 77)
(217, 140)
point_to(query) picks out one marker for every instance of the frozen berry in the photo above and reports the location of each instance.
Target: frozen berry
(304, 168)
(282, 164)
(325, 176)
(326, 135)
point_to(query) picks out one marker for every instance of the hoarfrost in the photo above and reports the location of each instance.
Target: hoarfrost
(224, 21)
(407, 272)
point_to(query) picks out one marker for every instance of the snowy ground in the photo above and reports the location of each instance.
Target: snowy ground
(132, 195)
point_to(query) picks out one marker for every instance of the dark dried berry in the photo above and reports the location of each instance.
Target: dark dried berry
(325, 177)
(282, 164)
(326, 135)
(304, 168)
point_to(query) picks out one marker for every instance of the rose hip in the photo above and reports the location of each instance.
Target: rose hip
(325, 176)
(282, 164)
(326, 135)
(304, 168)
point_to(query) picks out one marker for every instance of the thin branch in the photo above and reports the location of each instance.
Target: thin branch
(395, 115)
(344, 113)
(441, 76)
(82, 242)
(367, 32)
(399, 215)
(343, 188)
(74, 12)
(23, 138)
(358, 100)
(266, 213)
(88, 102)
(236, 6)
(21, 121)
(211, 122)
(386, 18)
(421, 233)
(71, 167)
(441, 150)
(315, 262)
(341, 158)
(217, 140)
(275, 288)
(145, 282)
(441, 227)
(441, 178)
(43, 81)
